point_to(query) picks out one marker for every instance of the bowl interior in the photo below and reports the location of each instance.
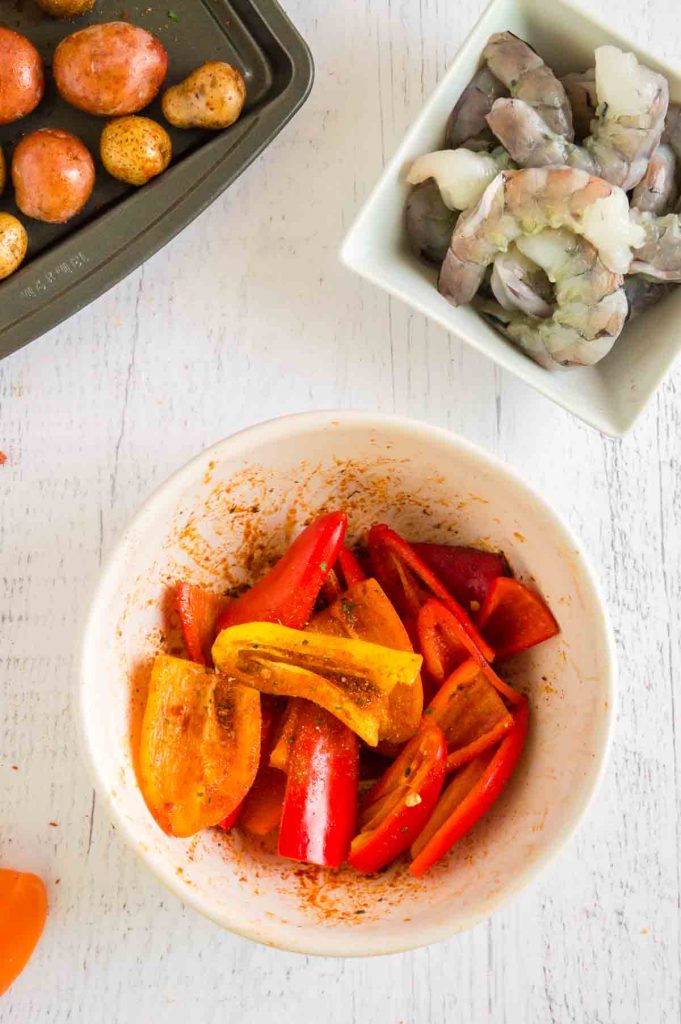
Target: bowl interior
(215, 523)
(609, 395)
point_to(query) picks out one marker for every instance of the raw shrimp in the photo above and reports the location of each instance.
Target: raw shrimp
(462, 176)
(528, 78)
(672, 129)
(656, 191)
(466, 125)
(642, 293)
(585, 259)
(429, 222)
(659, 256)
(632, 104)
(580, 87)
(518, 283)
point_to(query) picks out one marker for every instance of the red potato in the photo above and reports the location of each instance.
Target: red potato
(53, 175)
(22, 78)
(110, 70)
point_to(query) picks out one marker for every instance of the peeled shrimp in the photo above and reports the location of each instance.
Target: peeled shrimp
(656, 191)
(466, 125)
(518, 283)
(580, 87)
(585, 258)
(629, 120)
(672, 129)
(642, 293)
(462, 176)
(528, 78)
(659, 256)
(429, 223)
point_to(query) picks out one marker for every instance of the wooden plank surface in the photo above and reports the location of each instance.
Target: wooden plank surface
(247, 315)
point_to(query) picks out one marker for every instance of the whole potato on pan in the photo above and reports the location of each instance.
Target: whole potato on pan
(66, 8)
(211, 97)
(13, 244)
(135, 149)
(22, 78)
(53, 175)
(111, 69)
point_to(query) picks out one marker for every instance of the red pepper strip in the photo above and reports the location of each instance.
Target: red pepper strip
(199, 611)
(439, 836)
(269, 719)
(409, 583)
(468, 709)
(331, 587)
(289, 590)
(445, 645)
(396, 809)
(514, 618)
(320, 805)
(467, 573)
(351, 571)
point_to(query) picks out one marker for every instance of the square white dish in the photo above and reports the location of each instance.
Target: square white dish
(609, 396)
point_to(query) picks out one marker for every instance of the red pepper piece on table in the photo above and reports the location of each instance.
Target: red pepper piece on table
(398, 806)
(470, 712)
(514, 618)
(469, 795)
(320, 805)
(23, 911)
(199, 611)
(466, 572)
(287, 593)
(409, 583)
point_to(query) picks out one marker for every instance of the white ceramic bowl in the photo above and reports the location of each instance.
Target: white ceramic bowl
(609, 395)
(431, 486)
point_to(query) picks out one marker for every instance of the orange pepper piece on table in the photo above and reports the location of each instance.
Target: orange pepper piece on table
(514, 618)
(23, 911)
(199, 746)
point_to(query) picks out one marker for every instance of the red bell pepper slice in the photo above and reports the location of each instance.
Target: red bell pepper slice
(466, 572)
(199, 611)
(469, 795)
(320, 805)
(514, 618)
(288, 592)
(470, 712)
(345, 574)
(445, 645)
(398, 806)
(409, 583)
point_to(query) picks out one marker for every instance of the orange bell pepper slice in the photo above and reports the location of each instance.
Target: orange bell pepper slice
(199, 612)
(365, 613)
(281, 751)
(469, 796)
(470, 712)
(445, 645)
(514, 618)
(199, 746)
(23, 911)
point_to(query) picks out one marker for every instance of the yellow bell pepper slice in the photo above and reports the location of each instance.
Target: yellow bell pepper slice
(199, 745)
(364, 612)
(352, 679)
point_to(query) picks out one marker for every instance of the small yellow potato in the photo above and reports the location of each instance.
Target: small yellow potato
(65, 8)
(135, 149)
(13, 244)
(211, 97)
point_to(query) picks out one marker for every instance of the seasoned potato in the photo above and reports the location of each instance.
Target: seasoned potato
(22, 78)
(211, 97)
(53, 175)
(111, 69)
(66, 8)
(3, 171)
(135, 149)
(13, 244)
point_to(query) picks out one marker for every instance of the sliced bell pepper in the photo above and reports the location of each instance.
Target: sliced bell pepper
(409, 583)
(281, 751)
(23, 911)
(346, 572)
(199, 612)
(350, 678)
(288, 592)
(514, 618)
(445, 645)
(470, 712)
(365, 613)
(398, 806)
(466, 572)
(270, 715)
(469, 795)
(320, 806)
(261, 807)
(199, 746)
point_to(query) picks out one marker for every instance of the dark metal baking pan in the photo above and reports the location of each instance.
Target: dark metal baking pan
(68, 266)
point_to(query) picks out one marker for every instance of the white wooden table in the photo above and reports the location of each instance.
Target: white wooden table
(248, 315)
